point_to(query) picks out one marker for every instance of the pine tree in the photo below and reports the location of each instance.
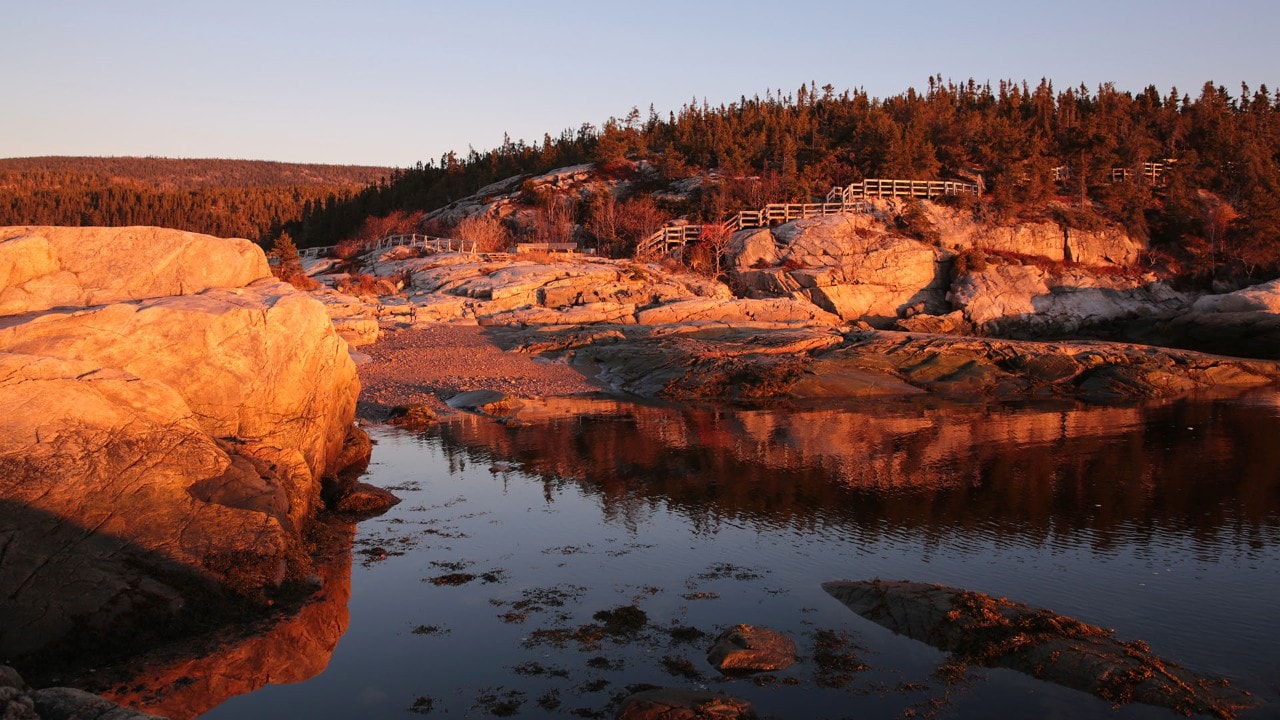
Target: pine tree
(288, 266)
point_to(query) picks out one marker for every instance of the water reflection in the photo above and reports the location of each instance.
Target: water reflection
(1040, 475)
(1162, 522)
(184, 681)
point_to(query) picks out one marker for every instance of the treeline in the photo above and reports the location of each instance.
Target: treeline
(1216, 195)
(228, 198)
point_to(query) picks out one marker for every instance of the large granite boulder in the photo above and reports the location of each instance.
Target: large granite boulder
(46, 267)
(160, 457)
(852, 266)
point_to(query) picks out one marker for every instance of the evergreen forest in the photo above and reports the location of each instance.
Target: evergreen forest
(228, 198)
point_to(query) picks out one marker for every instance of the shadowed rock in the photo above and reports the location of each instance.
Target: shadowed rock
(988, 631)
(815, 363)
(677, 704)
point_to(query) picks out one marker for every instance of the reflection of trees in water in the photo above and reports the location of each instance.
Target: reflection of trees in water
(930, 469)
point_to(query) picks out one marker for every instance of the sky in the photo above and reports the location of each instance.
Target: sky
(395, 82)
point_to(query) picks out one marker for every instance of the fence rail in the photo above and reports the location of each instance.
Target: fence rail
(850, 198)
(887, 187)
(439, 244)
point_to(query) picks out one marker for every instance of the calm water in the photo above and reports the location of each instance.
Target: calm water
(1161, 522)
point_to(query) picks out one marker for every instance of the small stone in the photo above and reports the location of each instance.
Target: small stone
(746, 648)
(365, 500)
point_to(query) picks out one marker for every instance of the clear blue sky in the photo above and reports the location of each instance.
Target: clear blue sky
(392, 82)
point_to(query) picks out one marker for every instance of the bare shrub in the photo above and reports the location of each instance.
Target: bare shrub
(969, 261)
(363, 284)
(397, 222)
(715, 239)
(487, 232)
(348, 249)
(553, 222)
(633, 220)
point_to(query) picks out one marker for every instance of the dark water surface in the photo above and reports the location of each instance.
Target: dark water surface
(1161, 522)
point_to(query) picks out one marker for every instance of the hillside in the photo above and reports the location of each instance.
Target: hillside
(1196, 174)
(230, 198)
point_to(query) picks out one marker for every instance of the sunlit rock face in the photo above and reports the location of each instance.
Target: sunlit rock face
(1012, 299)
(863, 266)
(46, 267)
(164, 425)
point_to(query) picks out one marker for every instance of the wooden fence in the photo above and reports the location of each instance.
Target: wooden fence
(885, 187)
(850, 198)
(438, 244)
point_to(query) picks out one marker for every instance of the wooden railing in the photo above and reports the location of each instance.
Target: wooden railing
(672, 235)
(438, 244)
(885, 187)
(850, 198)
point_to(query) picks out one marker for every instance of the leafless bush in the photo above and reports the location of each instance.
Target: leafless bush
(487, 232)
(553, 222)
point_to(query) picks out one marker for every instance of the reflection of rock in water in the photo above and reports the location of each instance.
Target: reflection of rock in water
(921, 466)
(184, 681)
(995, 632)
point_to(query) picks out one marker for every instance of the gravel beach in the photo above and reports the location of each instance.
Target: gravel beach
(428, 365)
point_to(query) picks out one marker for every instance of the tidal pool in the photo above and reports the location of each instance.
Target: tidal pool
(490, 589)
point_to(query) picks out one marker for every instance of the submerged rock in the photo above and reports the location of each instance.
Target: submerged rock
(364, 500)
(19, 702)
(747, 648)
(988, 631)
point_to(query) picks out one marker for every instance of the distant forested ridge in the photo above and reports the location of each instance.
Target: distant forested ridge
(1198, 173)
(228, 198)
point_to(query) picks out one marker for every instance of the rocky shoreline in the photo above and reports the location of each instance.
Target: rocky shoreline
(176, 419)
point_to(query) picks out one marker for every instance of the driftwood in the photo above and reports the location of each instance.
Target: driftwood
(978, 629)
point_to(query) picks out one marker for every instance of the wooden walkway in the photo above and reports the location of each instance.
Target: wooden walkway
(851, 198)
(438, 244)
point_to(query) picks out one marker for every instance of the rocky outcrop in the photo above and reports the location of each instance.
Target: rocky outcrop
(497, 291)
(743, 363)
(773, 312)
(985, 631)
(1014, 299)
(159, 456)
(1245, 323)
(355, 320)
(849, 267)
(861, 267)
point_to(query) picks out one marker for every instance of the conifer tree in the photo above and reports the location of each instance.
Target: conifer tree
(288, 265)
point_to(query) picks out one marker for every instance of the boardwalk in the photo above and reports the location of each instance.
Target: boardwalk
(850, 198)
